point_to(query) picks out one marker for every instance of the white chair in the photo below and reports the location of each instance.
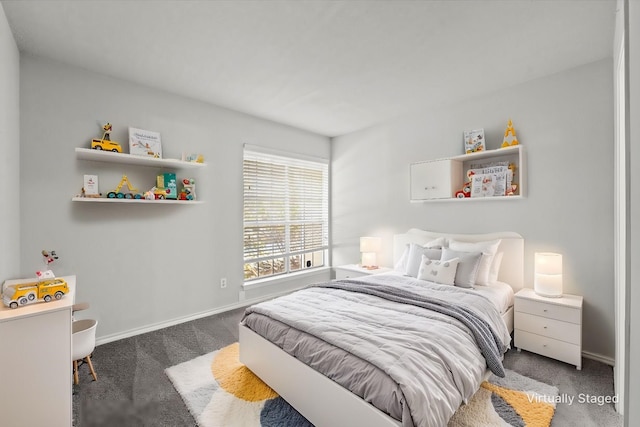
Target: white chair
(84, 342)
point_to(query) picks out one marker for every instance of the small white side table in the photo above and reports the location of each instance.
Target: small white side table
(551, 327)
(351, 271)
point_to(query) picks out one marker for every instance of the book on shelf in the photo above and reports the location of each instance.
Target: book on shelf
(145, 143)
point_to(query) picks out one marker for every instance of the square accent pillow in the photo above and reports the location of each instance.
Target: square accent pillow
(468, 263)
(488, 249)
(414, 258)
(443, 272)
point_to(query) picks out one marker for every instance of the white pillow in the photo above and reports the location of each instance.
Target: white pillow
(468, 263)
(488, 249)
(402, 264)
(495, 267)
(438, 243)
(443, 272)
(415, 258)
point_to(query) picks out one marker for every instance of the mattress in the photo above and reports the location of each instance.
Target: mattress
(446, 371)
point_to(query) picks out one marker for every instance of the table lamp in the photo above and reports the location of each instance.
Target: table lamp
(369, 246)
(548, 274)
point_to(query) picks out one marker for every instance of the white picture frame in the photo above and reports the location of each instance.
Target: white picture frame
(474, 141)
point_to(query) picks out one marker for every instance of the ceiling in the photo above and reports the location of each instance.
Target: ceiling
(330, 67)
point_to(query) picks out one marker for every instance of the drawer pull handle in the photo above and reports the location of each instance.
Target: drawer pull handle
(545, 310)
(544, 327)
(544, 345)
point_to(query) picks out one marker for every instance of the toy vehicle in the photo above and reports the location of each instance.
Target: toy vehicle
(188, 191)
(464, 192)
(105, 144)
(166, 187)
(27, 293)
(160, 193)
(117, 194)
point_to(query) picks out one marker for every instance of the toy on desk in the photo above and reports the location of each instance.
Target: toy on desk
(46, 288)
(117, 194)
(188, 191)
(49, 257)
(105, 142)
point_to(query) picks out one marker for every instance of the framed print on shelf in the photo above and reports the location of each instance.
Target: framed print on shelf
(145, 143)
(474, 141)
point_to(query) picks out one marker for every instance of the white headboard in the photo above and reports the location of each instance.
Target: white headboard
(512, 246)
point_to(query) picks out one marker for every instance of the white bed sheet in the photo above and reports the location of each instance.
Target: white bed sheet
(499, 293)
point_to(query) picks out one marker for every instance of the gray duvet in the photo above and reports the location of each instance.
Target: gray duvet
(375, 337)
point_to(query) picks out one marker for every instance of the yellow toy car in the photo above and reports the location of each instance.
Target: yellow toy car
(27, 293)
(105, 144)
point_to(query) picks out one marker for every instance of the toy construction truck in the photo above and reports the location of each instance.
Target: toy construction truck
(26, 293)
(117, 194)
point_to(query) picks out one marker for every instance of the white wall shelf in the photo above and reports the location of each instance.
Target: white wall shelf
(139, 201)
(128, 159)
(430, 187)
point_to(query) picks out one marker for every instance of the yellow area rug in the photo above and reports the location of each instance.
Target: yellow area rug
(221, 392)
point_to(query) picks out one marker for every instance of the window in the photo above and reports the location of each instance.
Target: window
(285, 213)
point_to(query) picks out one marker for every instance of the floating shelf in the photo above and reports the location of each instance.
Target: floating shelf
(139, 201)
(128, 159)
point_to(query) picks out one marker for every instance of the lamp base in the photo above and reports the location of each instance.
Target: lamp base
(370, 267)
(548, 295)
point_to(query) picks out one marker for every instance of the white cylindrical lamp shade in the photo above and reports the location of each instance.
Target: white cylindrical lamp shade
(369, 246)
(548, 274)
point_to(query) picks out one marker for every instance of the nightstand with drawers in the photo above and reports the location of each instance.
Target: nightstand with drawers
(351, 271)
(551, 327)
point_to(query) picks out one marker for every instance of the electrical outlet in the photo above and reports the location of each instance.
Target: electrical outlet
(223, 282)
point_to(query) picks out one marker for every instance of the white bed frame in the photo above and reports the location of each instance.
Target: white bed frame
(321, 400)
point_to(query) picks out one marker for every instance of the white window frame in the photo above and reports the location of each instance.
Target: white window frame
(291, 159)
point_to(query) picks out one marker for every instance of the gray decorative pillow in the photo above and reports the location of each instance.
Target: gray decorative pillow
(414, 258)
(468, 266)
(443, 272)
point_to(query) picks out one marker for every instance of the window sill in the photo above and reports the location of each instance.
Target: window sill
(285, 278)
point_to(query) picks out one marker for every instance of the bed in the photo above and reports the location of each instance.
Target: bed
(323, 401)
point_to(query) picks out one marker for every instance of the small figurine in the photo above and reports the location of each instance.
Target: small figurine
(509, 136)
(107, 131)
(150, 194)
(105, 142)
(49, 257)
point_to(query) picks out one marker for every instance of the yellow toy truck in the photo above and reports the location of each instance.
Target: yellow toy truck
(105, 142)
(27, 293)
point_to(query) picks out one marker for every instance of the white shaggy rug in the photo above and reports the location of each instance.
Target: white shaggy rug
(221, 392)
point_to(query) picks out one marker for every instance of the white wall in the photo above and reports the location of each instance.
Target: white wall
(565, 123)
(138, 266)
(10, 149)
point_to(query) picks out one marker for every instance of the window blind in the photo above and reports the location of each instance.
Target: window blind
(285, 214)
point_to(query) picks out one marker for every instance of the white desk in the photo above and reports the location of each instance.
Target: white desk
(35, 362)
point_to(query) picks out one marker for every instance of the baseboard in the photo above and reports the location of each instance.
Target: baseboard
(172, 322)
(599, 357)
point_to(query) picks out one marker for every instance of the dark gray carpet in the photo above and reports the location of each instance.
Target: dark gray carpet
(133, 390)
